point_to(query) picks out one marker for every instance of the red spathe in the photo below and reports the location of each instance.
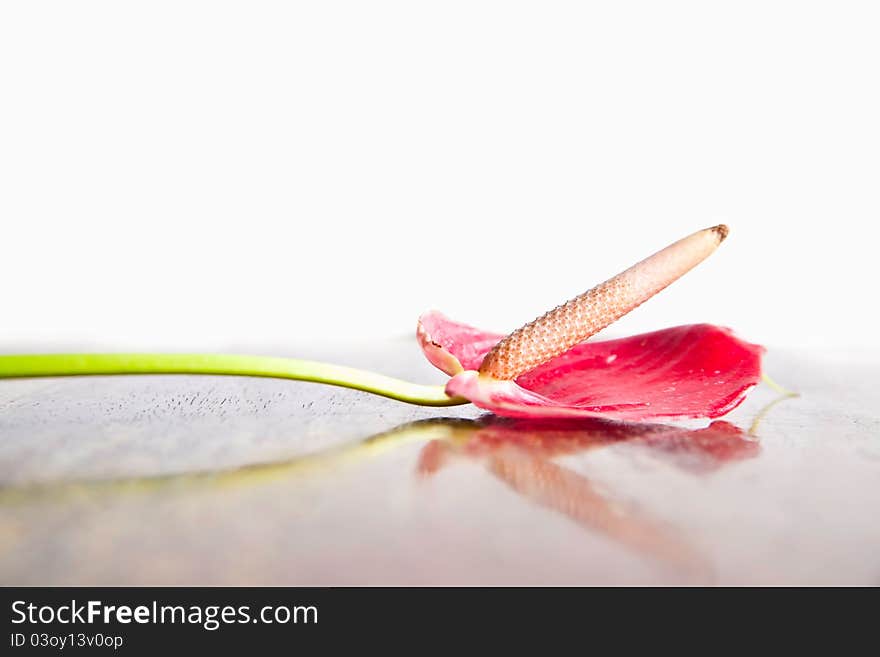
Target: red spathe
(693, 371)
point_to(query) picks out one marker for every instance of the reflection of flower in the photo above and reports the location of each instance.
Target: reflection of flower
(698, 450)
(546, 369)
(520, 453)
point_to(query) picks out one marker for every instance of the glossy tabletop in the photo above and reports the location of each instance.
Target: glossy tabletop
(225, 480)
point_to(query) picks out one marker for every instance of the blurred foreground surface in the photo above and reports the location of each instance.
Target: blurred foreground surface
(220, 480)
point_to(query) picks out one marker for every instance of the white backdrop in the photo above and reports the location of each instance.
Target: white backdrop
(201, 175)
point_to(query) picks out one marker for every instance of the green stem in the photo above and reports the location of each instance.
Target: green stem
(778, 388)
(21, 366)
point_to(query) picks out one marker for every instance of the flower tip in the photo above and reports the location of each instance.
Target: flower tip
(722, 231)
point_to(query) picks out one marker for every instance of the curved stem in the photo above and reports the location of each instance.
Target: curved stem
(778, 388)
(36, 365)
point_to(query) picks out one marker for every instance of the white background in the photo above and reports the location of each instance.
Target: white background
(212, 175)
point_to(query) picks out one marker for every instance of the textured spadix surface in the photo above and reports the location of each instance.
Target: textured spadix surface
(693, 371)
(569, 324)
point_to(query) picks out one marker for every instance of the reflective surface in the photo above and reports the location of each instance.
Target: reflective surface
(188, 480)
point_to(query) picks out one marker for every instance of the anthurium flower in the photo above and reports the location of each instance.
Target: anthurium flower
(544, 369)
(547, 369)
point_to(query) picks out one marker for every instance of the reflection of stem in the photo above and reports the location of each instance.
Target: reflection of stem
(32, 365)
(414, 432)
(571, 494)
(753, 429)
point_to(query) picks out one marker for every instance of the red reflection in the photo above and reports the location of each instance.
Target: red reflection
(695, 449)
(520, 453)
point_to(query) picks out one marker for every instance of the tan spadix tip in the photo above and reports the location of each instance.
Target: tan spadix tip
(559, 330)
(723, 231)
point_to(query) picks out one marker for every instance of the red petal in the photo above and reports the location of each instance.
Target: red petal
(691, 371)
